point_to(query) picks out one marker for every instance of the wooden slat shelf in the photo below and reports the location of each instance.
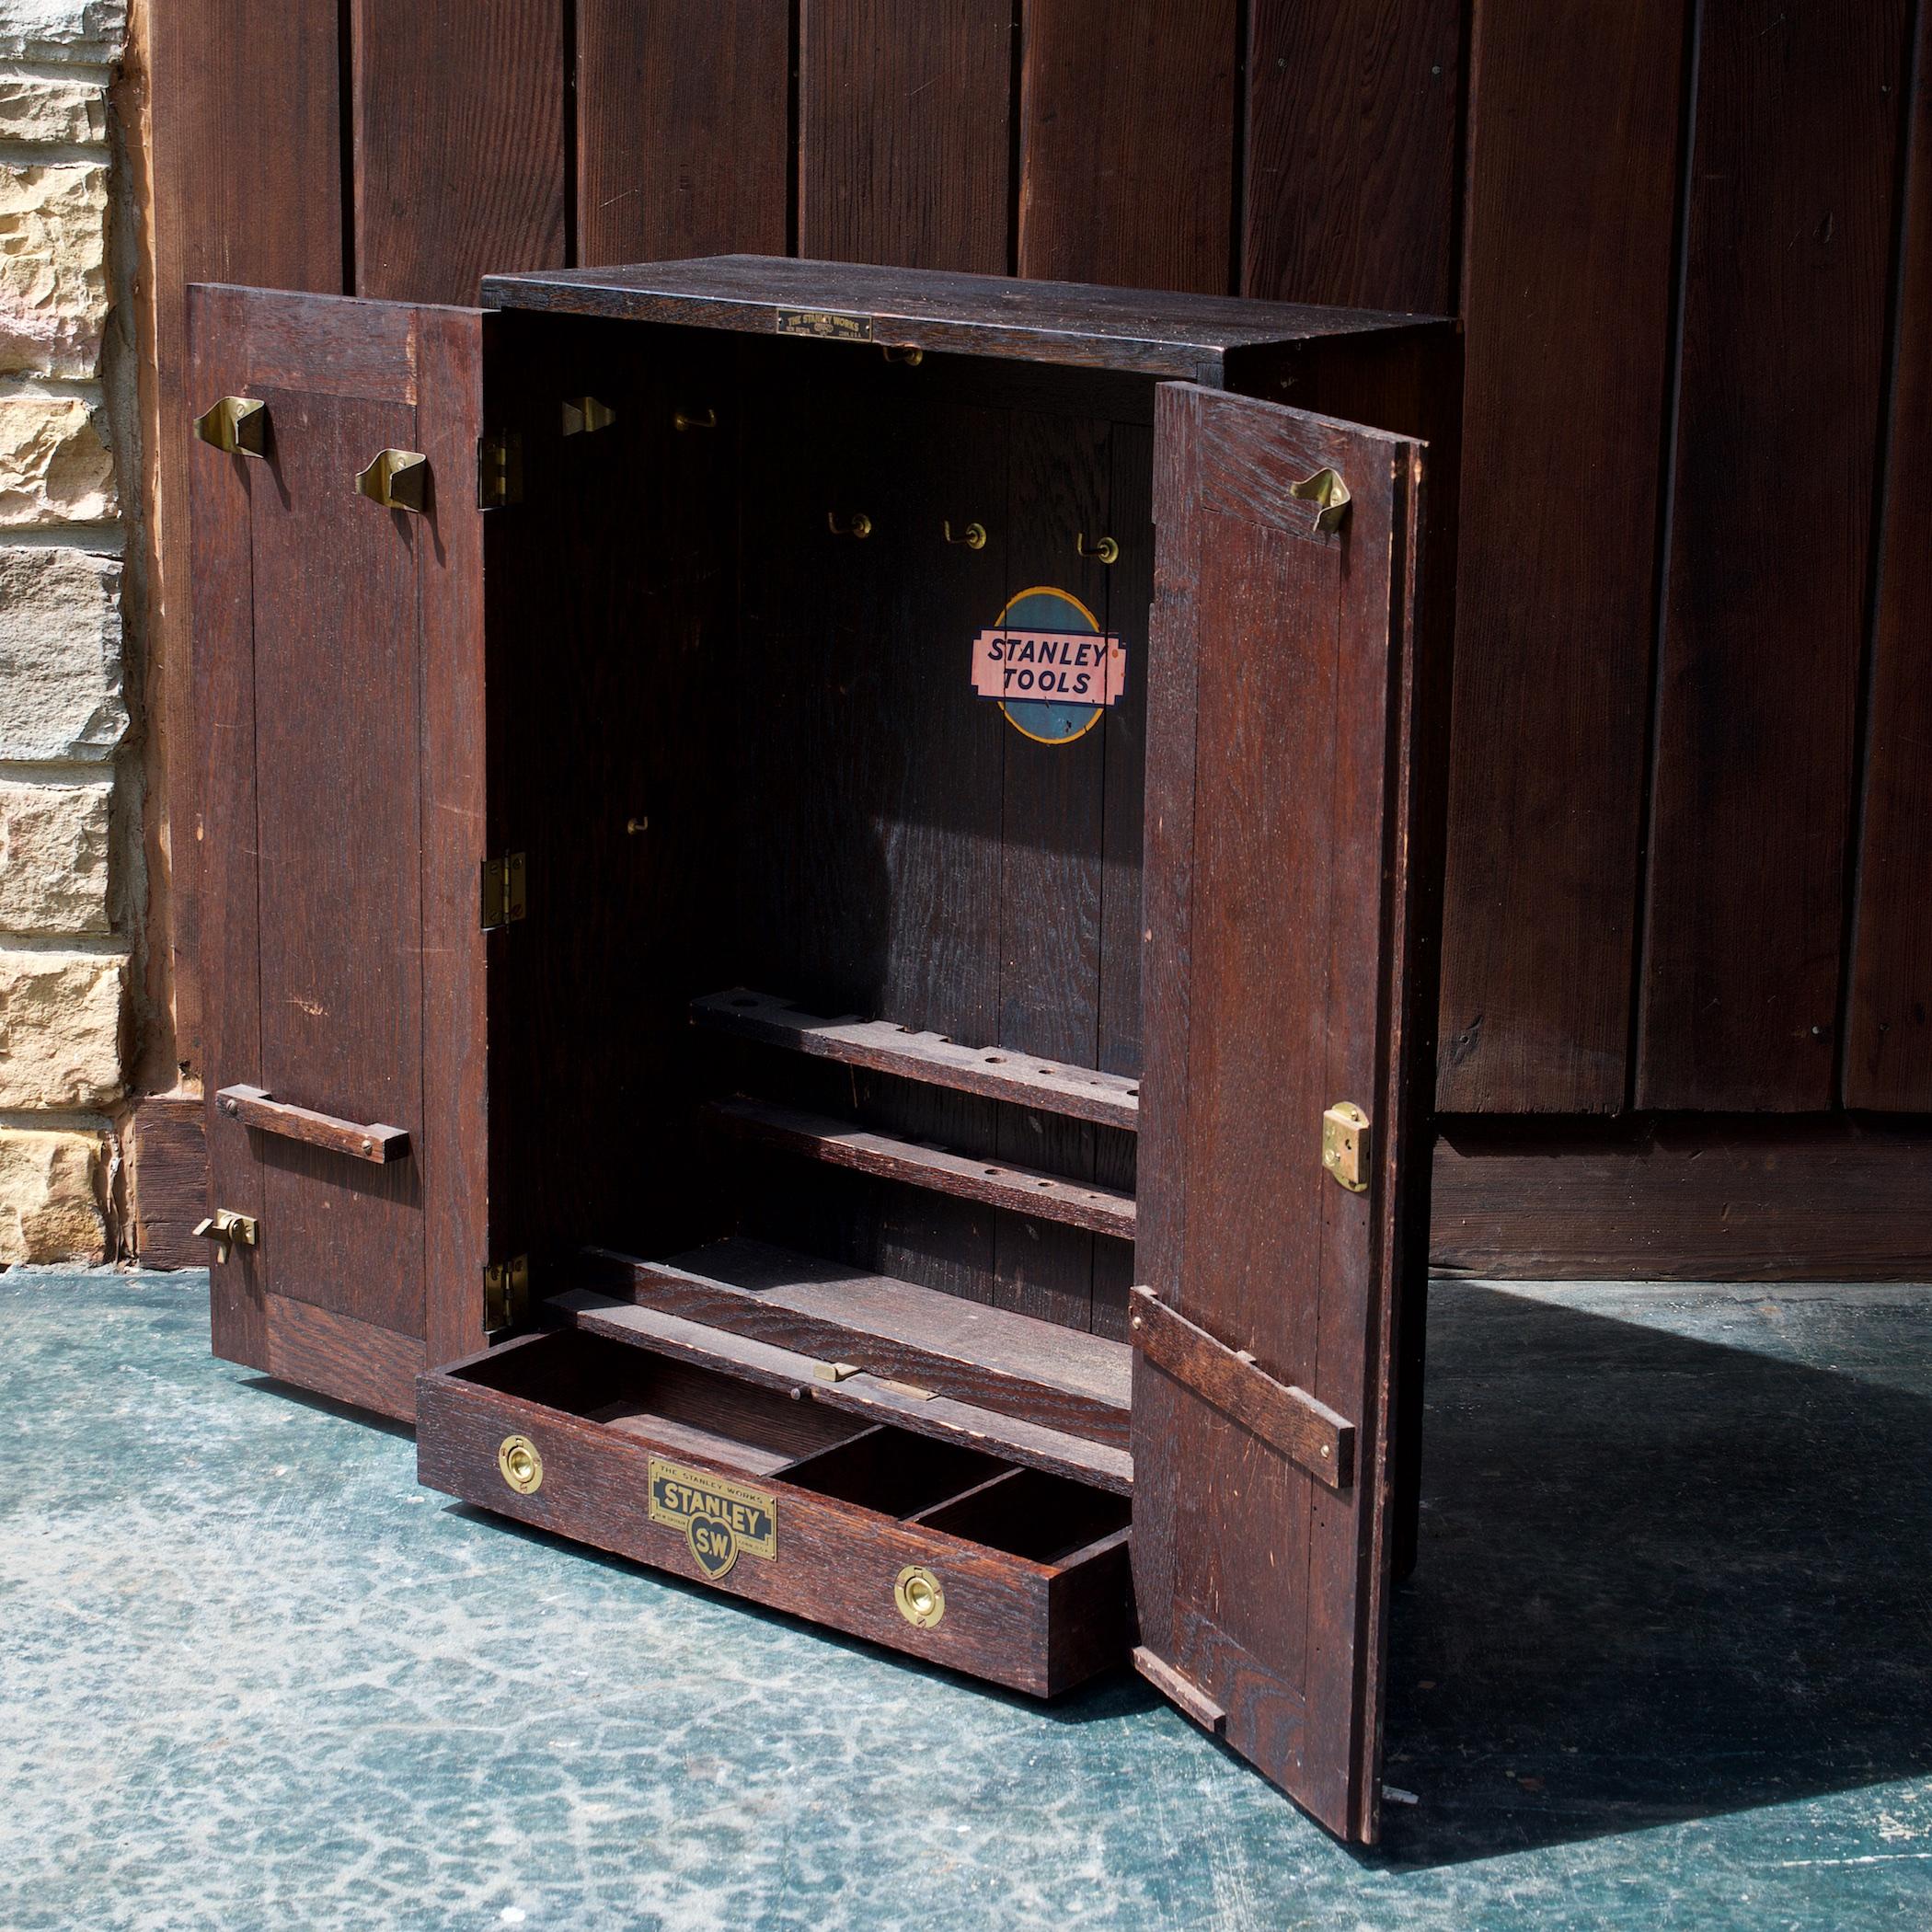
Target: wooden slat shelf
(1021, 1190)
(1062, 1379)
(865, 1395)
(1025, 1079)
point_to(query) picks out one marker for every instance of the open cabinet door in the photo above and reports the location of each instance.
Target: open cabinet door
(339, 699)
(1282, 982)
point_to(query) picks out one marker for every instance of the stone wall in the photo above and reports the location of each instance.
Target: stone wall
(70, 856)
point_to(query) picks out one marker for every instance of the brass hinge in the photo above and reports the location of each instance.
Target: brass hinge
(506, 1293)
(1345, 1145)
(502, 890)
(499, 469)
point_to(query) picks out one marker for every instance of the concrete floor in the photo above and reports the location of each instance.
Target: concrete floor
(1667, 1662)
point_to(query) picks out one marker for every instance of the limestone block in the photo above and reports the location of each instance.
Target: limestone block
(60, 1028)
(49, 1211)
(53, 465)
(92, 30)
(53, 859)
(60, 654)
(54, 268)
(70, 113)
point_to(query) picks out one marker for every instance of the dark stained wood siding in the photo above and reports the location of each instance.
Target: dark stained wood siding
(1687, 800)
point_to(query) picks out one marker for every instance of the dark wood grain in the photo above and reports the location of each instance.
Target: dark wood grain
(682, 128)
(1567, 280)
(1352, 163)
(168, 1180)
(362, 1364)
(222, 490)
(861, 1393)
(459, 119)
(1020, 1191)
(1888, 1043)
(1127, 151)
(264, 1113)
(1794, 177)
(1286, 876)
(1287, 1418)
(1057, 322)
(836, 1559)
(235, 197)
(903, 141)
(886, 1047)
(991, 1357)
(1685, 1196)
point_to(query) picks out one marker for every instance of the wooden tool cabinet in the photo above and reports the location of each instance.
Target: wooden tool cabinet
(720, 781)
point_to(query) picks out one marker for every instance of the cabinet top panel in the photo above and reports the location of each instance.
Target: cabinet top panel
(1144, 331)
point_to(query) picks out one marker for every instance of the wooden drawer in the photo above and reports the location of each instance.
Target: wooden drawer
(865, 1527)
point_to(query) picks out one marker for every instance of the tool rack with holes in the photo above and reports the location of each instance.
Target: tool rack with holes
(818, 911)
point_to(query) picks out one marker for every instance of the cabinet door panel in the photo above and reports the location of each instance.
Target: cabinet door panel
(337, 959)
(1282, 978)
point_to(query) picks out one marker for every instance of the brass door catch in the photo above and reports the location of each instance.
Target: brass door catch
(224, 1228)
(397, 479)
(584, 416)
(522, 1467)
(237, 426)
(921, 1600)
(1345, 1145)
(1326, 489)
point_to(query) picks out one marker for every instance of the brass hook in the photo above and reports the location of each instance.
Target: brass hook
(237, 425)
(680, 421)
(584, 415)
(974, 536)
(1328, 491)
(860, 524)
(912, 357)
(1106, 550)
(395, 479)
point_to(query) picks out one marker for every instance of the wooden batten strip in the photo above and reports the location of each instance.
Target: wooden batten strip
(1020, 1191)
(1181, 1691)
(1025, 1079)
(255, 1108)
(1309, 1433)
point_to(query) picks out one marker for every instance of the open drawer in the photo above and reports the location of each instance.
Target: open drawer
(929, 1545)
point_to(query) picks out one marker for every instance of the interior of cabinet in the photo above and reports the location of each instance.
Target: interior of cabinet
(829, 979)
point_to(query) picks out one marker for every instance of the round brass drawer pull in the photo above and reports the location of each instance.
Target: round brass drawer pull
(522, 1467)
(921, 1600)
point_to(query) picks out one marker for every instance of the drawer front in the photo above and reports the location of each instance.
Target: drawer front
(1032, 1626)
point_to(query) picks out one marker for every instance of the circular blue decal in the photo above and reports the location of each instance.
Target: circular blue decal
(1049, 720)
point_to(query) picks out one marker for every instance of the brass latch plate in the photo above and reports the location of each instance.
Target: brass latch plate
(502, 890)
(506, 1293)
(1345, 1145)
(224, 1228)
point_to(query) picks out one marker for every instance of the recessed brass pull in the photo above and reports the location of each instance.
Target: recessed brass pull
(1345, 1145)
(522, 1467)
(224, 1228)
(920, 1596)
(683, 420)
(396, 479)
(859, 524)
(237, 426)
(1106, 550)
(974, 536)
(584, 416)
(1325, 489)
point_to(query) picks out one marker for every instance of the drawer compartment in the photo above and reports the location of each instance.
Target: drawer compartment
(931, 1547)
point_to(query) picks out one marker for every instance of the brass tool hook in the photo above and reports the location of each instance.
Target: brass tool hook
(860, 524)
(912, 357)
(1326, 489)
(1106, 550)
(974, 536)
(680, 420)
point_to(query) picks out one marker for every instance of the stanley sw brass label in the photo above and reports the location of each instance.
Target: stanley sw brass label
(823, 323)
(719, 1519)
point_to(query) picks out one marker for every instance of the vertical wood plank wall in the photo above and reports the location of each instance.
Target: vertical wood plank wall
(1692, 244)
